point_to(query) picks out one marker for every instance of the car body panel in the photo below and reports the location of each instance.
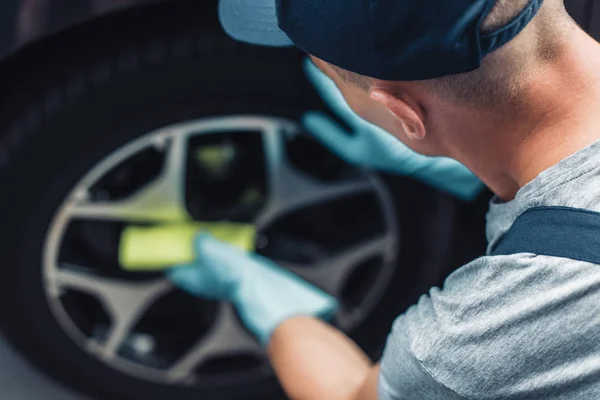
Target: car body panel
(25, 21)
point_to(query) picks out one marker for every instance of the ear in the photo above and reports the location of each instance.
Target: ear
(410, 120)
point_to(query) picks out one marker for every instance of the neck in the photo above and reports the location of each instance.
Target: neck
(558, 117)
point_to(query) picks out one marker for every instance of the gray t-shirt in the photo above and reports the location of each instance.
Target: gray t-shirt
(508, 327)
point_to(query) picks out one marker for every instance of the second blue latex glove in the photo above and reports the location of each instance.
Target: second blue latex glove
(264, 294)
(372, 147)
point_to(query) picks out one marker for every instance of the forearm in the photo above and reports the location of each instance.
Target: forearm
(315, 361)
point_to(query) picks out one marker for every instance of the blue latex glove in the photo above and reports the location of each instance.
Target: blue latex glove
(264, 294)
(372, 147)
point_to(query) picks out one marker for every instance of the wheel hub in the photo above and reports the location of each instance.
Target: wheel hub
(328, 222)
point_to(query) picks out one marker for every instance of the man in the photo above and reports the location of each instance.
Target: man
(511, 89)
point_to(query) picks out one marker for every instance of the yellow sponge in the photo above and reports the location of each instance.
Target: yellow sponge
(161, 247)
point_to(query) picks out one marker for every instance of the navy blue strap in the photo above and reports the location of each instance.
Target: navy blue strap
(554, 231)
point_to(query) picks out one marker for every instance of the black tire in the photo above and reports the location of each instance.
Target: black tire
(93, 98)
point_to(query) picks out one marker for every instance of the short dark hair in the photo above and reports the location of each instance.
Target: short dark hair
(352, 78)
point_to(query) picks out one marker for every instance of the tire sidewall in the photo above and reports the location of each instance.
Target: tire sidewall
(58, 146)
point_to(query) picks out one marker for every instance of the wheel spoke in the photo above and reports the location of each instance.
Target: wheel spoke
(125, 302)
(163, 201)
(226, 336)
(160, 201)
(331, 274)
(291, 190)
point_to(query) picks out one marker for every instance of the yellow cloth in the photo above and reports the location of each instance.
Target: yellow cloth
(161, 247)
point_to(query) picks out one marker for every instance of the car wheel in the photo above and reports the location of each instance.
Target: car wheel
(175, 122)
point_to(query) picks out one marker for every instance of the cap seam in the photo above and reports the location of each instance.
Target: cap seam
(478, 34)
(500, 37)
(515, 21)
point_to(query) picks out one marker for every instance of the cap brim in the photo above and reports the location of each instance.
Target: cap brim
(252, 21)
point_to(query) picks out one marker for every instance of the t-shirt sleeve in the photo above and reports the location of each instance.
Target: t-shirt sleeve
(403, 376)
(506, 327)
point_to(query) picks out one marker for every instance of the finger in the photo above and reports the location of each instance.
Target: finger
(201, 280)
(185, 277)
(209, 250)
(330, 133)
(330, 93)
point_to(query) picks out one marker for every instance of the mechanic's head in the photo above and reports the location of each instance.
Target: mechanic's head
(405, 65)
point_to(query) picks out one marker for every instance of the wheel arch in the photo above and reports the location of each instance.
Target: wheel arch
(37, 66)
(21, 61)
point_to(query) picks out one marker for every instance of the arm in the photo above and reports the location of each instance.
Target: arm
(369, 146)
(312, 359)
(315, 361)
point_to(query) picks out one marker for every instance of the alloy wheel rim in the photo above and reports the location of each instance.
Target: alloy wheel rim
(162, 201)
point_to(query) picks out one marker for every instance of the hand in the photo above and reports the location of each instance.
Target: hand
(372, 147)
(264, 294)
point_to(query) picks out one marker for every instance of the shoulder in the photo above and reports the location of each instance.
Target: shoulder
(498, 321)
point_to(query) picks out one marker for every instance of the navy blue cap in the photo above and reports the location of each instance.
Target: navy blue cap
(386, 39)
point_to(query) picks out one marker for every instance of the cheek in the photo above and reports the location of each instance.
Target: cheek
(373, 112)
(360, 102)
(381, 117)
(364, 107)
(352, 97)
